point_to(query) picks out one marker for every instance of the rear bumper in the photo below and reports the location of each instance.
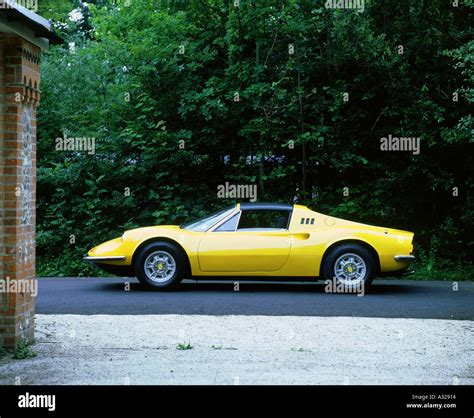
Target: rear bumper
(403, 267)
(398, 273)
(405, 258)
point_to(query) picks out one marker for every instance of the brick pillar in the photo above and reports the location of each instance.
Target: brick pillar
(19, 96)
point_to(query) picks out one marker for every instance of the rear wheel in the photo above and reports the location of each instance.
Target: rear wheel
(160, 265)
(351, 265)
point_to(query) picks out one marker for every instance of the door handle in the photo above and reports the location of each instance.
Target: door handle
(302, 235)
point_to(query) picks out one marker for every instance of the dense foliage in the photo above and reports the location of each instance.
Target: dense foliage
(291, 96)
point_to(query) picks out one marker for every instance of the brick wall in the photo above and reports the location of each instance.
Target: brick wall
(19, 96)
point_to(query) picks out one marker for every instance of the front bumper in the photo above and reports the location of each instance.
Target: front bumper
(101, 259)
(116, 269)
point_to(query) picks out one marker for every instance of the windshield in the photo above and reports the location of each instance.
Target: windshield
(204, 224)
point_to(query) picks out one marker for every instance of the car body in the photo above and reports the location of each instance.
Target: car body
(258, 240)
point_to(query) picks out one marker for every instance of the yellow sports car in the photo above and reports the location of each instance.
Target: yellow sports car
(258, 240)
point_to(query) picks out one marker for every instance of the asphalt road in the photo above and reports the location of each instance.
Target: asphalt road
(386, 299)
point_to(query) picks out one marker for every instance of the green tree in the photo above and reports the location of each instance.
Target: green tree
(288, 95)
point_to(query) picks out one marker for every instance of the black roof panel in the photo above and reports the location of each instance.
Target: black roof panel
(264, 205)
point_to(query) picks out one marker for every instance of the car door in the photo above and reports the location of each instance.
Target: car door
(251, 241)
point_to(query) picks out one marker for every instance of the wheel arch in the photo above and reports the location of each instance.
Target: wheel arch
(163, 239)
(364, 244)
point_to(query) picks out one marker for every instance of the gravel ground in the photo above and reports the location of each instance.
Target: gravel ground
(129, 349)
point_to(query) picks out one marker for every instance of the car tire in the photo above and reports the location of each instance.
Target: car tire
(353, 257)
(160, 265)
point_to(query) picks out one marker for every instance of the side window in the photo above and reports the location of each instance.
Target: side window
(228, 226)
(264, 219)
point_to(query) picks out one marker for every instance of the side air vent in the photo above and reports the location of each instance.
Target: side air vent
(307, 221)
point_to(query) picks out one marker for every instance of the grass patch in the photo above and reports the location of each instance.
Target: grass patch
(440, 271)
(23, 351)
(184, 346)
(301, 350)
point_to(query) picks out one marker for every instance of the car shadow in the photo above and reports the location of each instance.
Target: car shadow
(381, 288)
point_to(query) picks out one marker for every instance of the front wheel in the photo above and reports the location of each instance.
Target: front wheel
(160, 265)
(351, 265)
